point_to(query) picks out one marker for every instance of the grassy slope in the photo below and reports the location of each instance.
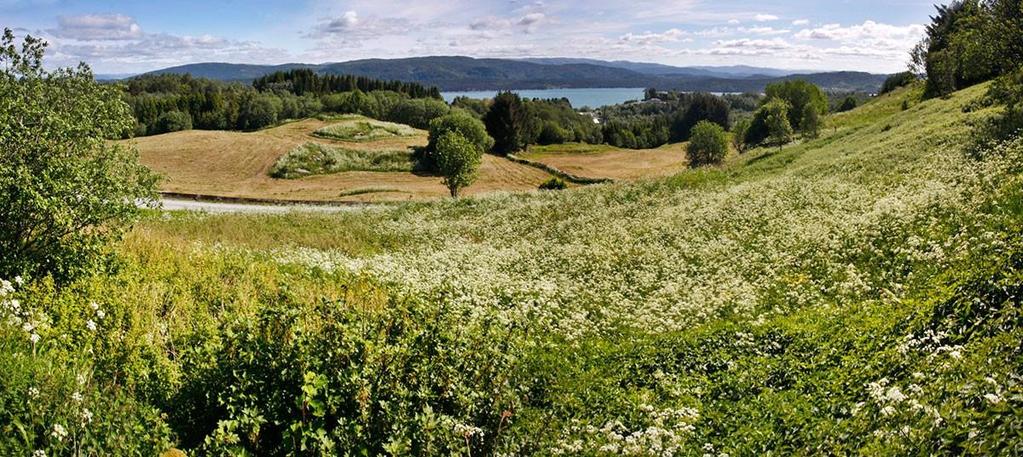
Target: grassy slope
(852, 294)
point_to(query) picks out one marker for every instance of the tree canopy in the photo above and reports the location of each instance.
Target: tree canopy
(708, 144)
(506, 123)
(458, 160)
(65, 189)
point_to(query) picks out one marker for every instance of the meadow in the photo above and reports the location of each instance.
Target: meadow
(857, 293)
(242, 165)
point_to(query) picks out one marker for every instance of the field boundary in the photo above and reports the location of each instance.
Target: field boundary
(263, 201)
(559, 172)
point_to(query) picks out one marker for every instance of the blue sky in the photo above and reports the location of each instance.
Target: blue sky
(135, 36)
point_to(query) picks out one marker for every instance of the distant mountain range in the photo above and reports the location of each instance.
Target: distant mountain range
(452, 73)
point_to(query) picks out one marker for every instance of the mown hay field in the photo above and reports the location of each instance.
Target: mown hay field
(236, 164)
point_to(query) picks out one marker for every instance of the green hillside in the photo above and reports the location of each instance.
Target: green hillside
(855, 294)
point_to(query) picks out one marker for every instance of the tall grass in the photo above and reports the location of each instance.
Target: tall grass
(318, 159)
(364, 129)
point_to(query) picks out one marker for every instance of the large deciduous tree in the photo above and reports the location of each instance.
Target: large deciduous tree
(708, 144)
(458, 160)
(65, 189)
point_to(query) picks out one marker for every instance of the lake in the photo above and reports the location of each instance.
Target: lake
(579, 98)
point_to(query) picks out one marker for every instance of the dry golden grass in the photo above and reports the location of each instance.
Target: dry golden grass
(602, 161)
(235, 164)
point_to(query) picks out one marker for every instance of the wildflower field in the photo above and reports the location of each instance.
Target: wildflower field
(854, 294)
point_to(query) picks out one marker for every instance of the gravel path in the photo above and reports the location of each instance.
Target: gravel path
(170, 204)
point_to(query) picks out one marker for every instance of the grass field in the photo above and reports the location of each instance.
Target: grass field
(234, 164)
(603, 161)
(318, 159)
(360, 128)
(858, 294)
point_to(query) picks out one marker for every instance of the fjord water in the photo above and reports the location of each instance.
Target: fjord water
(591, 97)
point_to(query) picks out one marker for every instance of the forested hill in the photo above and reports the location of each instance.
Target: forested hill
(465, 73)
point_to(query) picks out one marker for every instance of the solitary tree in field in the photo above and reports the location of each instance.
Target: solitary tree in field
(65, 190)
(506, 123)
(708, 144)
(458, 160)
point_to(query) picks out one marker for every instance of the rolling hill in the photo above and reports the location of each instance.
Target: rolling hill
(455, 73)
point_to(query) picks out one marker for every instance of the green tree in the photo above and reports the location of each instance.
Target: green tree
(708, 144)
(810, 126)
(739, 131)
(65, 190)
(848, 104)
(458, 160)
(776, 122)
(173, 121)
(798, 94)
(465, 124)
(506, 123)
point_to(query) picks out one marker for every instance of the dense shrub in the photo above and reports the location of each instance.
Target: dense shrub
(707, 145)
(65, 189)
(554, 184)
(173, 121)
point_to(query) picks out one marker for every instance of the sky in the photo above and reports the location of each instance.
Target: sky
(136, 36)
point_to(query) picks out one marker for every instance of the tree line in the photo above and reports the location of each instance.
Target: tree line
(173, 102)
(305, 81)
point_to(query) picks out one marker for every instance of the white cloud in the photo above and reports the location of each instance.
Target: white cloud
(800, 22)
(351, 29)
(880, 39)
(765, 17)
(96, 27)
(647, 38)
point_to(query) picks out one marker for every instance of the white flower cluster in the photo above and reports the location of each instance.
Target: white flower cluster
(652, 257)
(666, 435)
(14, 313)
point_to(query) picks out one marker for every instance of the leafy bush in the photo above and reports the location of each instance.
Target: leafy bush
(173, 121)
(707, 145)
(65, 190)
(554, 184)
(317, 159)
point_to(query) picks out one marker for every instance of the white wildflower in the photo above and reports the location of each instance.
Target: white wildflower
(59, 432)
(91, 325)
